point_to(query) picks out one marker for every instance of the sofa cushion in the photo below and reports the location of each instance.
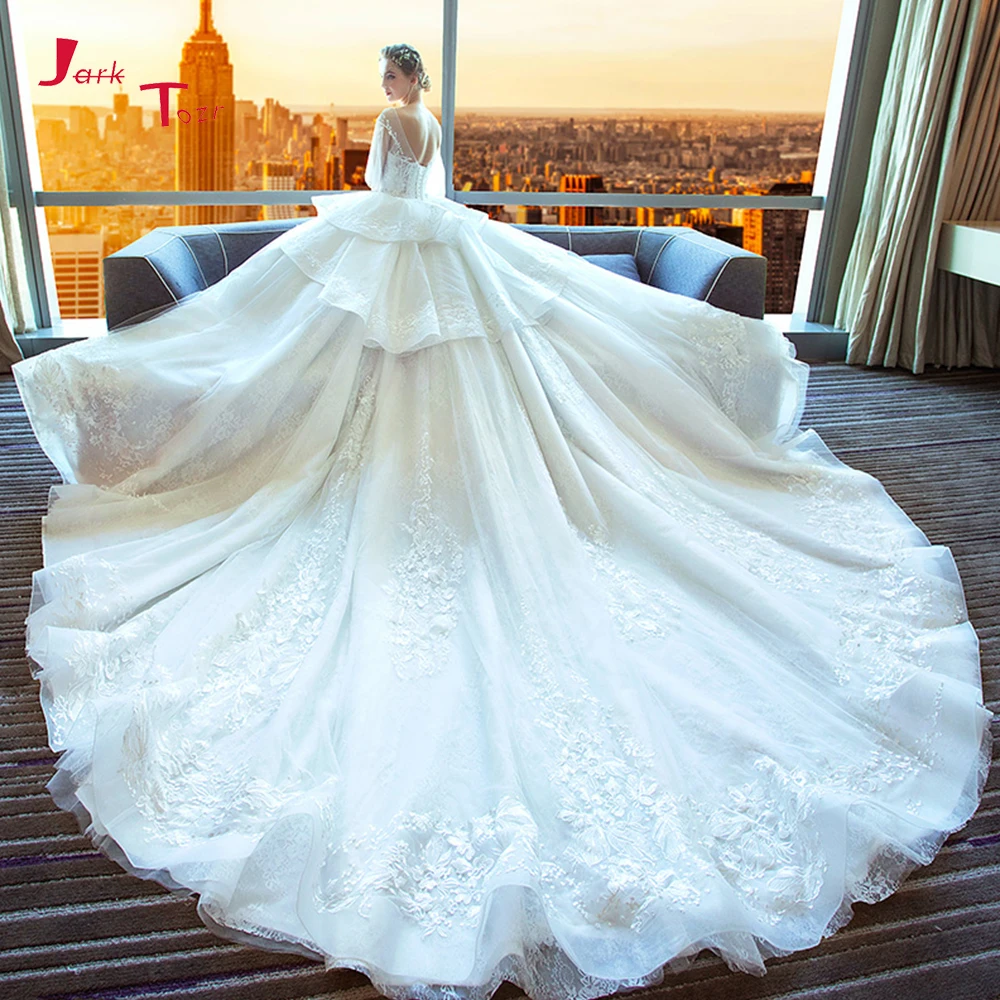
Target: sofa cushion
(620, 263)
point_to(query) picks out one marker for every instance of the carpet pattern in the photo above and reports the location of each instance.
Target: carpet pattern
(75, 925)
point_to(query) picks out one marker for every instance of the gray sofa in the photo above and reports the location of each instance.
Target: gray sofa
(158, 270)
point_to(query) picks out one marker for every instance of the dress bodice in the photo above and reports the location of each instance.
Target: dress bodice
(393, 167)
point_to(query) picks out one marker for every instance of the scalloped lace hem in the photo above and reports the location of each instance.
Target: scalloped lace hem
(544, 968)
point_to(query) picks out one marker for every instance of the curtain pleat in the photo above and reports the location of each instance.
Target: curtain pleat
(963, 319)
(930, 162)
(16, 313)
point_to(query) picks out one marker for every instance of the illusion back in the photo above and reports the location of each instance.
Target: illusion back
(405, 154)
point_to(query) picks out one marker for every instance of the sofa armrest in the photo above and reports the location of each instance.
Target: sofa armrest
(675, 258)
(171, 262)
(684, 260)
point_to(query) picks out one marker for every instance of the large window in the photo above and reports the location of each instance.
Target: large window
(655, 98)
(270, 103)
(263, 111)
(691, 115)
(649, 99)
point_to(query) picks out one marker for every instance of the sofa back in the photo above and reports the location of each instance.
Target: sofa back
(161, 268)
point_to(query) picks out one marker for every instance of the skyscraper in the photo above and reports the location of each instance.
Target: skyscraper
(76, 261)
(778, 235)
(581, 215)
(205, 142)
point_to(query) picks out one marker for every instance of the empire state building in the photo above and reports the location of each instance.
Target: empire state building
(204, 142)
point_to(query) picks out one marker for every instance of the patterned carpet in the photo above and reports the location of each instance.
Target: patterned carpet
(74, 925)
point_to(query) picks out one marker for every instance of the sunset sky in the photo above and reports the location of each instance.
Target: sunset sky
(773, 56)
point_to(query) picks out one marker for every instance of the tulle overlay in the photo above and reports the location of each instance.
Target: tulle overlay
(437, 604)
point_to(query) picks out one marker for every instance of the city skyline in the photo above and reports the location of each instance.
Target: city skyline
(776, 60)
(271, 148)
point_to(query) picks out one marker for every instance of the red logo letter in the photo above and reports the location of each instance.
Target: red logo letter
(164, 89)
(65, 47)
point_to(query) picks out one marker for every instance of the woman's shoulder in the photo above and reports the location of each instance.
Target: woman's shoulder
(409, 110)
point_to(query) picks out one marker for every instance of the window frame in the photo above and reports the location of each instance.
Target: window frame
(862, 50)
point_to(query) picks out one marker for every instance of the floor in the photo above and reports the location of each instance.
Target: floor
(74, 925)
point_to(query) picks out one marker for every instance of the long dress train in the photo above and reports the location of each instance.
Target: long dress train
(434, 603)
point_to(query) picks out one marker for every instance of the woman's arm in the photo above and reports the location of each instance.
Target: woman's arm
(377, 152)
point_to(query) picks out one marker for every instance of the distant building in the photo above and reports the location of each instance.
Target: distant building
(354, 163)
(581, 215)
(205, 145)
(656, 216)
(76, 261)
(83, 122)
(51, 133)
(276, 175)
(778, 235)
(247, 123)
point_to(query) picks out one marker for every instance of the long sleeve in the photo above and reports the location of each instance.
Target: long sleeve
(377, 154)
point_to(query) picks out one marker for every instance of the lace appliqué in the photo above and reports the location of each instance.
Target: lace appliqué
(109, 417)
(640, 610)
(269, 638)
(236, 443)
(627, 847)
(884, 610)
(49, 377)
(101, 663)
(721, 345)
(182, 786)
(423, 585)
(765, 844)
(86, 592)
(892, 760)
(435, 870)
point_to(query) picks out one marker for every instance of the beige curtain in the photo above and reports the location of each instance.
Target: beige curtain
(933, 158)
(16, 313)
(12, 315)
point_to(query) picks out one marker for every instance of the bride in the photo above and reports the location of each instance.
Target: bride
(436, 604)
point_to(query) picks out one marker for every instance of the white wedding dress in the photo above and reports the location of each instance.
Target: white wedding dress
(437, 604)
